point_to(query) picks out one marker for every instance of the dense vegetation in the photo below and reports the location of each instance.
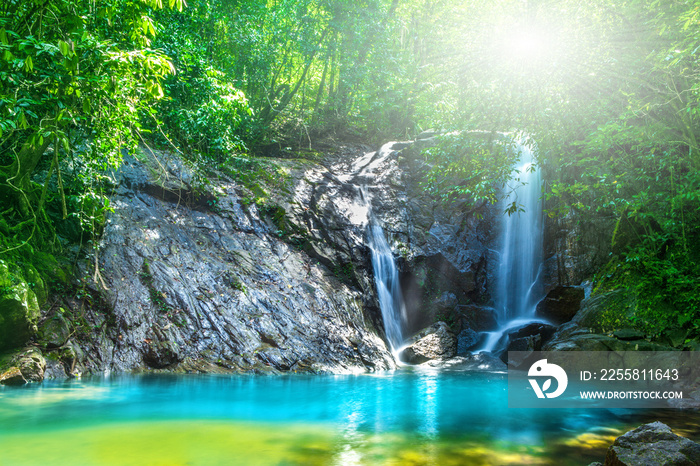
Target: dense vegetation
(609, 90)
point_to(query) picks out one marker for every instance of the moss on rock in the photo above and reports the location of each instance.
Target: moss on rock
(19, 310)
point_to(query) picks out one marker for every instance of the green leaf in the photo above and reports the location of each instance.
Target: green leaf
(29, 64)
(63, 47)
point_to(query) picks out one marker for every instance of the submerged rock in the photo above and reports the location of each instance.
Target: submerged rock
(434, 342)
(653, 445)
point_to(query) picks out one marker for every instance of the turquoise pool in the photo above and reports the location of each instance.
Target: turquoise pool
(408, 417)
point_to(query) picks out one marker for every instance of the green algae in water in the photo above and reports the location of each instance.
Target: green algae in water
(216, 442)
(170, 443)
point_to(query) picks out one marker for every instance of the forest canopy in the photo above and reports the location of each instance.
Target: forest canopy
(609, 90)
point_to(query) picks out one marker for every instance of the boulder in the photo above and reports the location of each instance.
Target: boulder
(31, 363)
(529, 338)
(543, 330)
(12, 376)
(55, 370)
(653, 445)
(561, 304)
(435, 342)
(466, 340)
(479, 318)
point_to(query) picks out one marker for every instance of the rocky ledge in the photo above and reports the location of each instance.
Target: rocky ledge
(198, 280)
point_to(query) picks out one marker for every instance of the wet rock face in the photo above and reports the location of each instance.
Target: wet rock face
(442, 249)
(467, 340)
(575, 248)
(653, 444)
(185, 288)
(561, 304)
(284, 287)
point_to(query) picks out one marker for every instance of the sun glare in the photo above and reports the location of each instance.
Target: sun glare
(525, 43)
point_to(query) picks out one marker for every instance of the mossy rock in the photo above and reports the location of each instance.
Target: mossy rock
(19, 313)
(37, 284)
(49, 267)
(12, 376)
(32, 364)
(54, 332)
(608, 311)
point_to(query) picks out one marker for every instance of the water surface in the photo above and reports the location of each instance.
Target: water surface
(400, 418)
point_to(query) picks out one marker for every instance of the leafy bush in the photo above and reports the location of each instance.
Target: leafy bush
(470, 167)
(206, 114)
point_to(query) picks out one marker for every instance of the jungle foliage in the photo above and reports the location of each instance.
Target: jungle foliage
(610, 90)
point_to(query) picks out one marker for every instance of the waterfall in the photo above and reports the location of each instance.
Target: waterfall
(386, 274)
(517, 287)
(386, 278)
(521, 244)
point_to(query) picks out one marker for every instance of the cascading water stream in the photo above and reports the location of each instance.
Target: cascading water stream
(386, 274)
(386, 278)
(517, 280)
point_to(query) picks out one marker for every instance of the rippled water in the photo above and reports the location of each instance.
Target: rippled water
(406, 417)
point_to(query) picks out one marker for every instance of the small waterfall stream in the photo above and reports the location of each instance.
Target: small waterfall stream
(386, 278)
(386, 274)
(517, 290)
